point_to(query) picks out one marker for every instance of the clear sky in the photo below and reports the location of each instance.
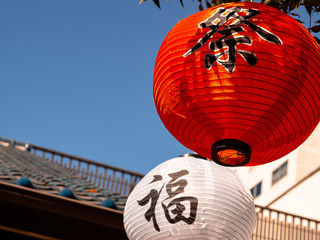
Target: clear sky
(76, 76)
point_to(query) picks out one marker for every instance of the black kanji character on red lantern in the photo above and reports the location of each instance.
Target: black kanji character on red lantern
(173, 188)
(227, 23)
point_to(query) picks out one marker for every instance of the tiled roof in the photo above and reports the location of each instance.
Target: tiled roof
(25, 169)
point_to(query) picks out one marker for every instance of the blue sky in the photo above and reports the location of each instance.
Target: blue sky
(76, 76)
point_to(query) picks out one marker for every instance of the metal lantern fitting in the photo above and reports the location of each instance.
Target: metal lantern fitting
(239, 83)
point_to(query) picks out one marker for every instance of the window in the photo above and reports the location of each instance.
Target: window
(256, 190)
(280, 172)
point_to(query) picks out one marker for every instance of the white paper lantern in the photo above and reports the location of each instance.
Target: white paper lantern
(190, 198)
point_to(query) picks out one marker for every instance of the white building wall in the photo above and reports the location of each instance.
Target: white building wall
(301, 163)
(253, 175)
(303, 200)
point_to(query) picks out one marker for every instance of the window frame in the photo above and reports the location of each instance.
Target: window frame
(279, 173)
(256, 191)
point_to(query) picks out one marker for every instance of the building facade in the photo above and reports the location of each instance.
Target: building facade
(290, 184)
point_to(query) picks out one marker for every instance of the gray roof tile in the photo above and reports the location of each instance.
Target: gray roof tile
(50, 177)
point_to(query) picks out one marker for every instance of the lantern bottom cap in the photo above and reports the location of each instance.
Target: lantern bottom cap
(231, 152)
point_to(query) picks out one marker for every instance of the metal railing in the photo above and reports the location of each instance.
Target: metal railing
(15, 143)
(105, 176)
(276, 225)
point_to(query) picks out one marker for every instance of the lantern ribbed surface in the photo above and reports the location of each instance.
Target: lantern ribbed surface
(190, 198)
(254, 79)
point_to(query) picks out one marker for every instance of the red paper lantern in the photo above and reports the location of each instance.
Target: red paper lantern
(239, 83)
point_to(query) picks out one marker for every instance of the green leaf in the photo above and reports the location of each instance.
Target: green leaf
(315, 29)
(291, 7)
(309, 9)
(295, 14)
(217, 2)
(308, 6)
(156, 2)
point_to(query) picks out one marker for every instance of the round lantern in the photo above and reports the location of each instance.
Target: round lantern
(189, 198)
(239, 83)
